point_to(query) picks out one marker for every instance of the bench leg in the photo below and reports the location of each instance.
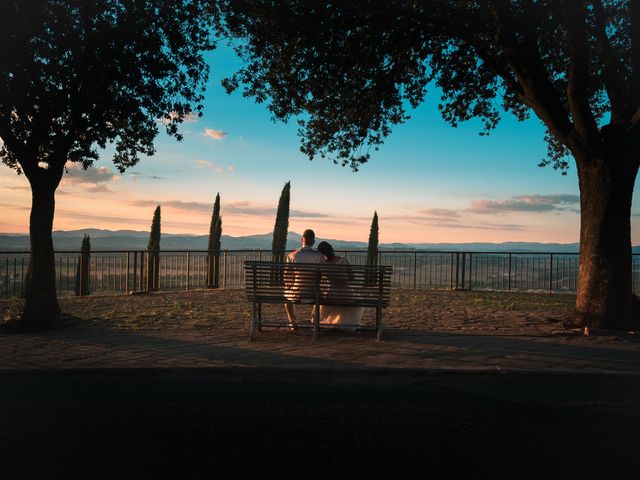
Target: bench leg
(379, 323)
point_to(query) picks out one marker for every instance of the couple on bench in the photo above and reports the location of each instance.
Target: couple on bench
(329, 314)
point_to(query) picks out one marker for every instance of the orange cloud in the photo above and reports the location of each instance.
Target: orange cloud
(215, 134)
(93, 179)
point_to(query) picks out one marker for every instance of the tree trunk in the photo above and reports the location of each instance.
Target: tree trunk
(605, 298)
(41, 310)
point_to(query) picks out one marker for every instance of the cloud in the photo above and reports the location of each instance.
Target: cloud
(136, 175)
(236, 208)
(452, 221)
(15, 207)
(188, 118)
(484, 226)
(526, 203)
(215, 134)
(98, 188)
(303, 214)
(216, 168)
(98, 219)
(92, 179)
(204, 163)
(177, 204)
(18, 188)
(248, 208)
(439, 212)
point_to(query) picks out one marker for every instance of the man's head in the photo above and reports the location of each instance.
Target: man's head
(308, 238)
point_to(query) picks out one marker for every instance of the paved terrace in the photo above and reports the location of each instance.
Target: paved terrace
(425, 331)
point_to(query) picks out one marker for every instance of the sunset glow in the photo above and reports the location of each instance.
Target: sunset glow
(429, 182)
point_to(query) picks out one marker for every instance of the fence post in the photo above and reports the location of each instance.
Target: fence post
(188, 267)
(126, 276)
(81, 276)
(135, 270)
(464, 261)
(6, 277)
(551, 273)
(146, 270)
(224, 270)
(457, 269)
(451, 273)
(470, 268)
(415, 269)
(509, 280)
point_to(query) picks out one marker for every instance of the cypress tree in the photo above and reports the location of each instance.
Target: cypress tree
(281, 227)
(153, 252)
(372, 249)
(215, 234)
(82, 283)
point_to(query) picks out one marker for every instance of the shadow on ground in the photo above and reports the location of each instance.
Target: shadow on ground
(316, 424)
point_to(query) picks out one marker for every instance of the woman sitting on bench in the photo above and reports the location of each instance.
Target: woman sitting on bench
(334, 314)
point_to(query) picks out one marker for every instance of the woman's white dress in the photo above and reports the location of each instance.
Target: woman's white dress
(339, 315)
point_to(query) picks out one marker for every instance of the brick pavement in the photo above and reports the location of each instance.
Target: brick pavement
(426, 331)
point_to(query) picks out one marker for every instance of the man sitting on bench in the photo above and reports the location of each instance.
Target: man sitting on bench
(294, 281)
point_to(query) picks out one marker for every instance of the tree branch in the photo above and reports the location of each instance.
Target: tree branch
(577, 92)
(502, 71)
(15, 147)
(613, 82)
(538, 91)
(466, 27)
(635, 55)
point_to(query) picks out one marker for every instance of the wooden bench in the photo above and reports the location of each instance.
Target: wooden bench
(316, 284)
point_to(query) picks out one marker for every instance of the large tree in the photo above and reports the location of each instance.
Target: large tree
(78, 75)
(350, 69)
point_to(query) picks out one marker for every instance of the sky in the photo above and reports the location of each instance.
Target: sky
(429, 182)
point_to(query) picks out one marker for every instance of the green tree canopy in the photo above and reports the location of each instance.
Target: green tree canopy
(350, 69)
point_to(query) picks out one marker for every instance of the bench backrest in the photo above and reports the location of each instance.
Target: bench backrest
(328, 284)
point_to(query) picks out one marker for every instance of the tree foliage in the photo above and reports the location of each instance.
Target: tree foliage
(214, 245)
(78, 75)
(281, 227)
(372, 248)
(350, 70)
(153, 252)
(214, 230)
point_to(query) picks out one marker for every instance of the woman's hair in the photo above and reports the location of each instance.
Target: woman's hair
(326, 249)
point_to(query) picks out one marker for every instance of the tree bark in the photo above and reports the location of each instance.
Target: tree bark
(605, 298)
(41, 310)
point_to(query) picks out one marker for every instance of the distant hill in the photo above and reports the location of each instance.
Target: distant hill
(136, 240)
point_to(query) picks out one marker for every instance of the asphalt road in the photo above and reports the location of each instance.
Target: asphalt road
(316, 424)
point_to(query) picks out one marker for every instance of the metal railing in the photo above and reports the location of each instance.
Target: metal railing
(112, 272)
